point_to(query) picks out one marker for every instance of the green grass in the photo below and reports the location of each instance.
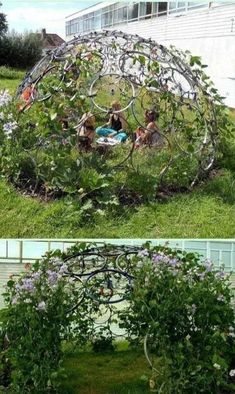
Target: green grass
(9, 84)
(208, 211)
(115, 373)
(10, 79)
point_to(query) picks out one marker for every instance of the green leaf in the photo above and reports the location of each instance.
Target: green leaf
(144, 378)
(142, 60)
(10, 283)
(195, 60)
(154, 83)
(53, 115)
(190, 148)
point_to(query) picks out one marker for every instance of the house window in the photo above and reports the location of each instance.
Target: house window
(97, 20)
(176, 6)
(162, 8)
(155, 7)
(145, 9)
(133, 11)
(194, 4)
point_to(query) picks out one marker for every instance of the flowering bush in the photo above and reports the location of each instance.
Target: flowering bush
(7, 121)
(177, 305)
(44, 309)
(183, 310)
(37, 322)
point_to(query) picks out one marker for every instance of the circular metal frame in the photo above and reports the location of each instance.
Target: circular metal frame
(173, 84)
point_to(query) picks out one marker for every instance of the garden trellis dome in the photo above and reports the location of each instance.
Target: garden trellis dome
(91, 71)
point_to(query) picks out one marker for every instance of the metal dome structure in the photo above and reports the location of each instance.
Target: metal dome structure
(140, 74)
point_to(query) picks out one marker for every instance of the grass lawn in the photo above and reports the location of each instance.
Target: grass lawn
(9, 84)
(116, 373)
(207, 212)
(10, 79)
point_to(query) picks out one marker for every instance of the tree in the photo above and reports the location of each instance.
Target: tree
(20, 50)
(3, 23)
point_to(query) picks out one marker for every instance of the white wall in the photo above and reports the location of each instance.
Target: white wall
(209, 33)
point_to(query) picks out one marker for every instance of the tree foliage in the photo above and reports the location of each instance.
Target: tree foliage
(3, 23)
(20, 50)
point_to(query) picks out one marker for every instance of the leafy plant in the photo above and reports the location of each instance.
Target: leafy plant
(182, 309)
(37, 322)
(103, 345)
(178, 305)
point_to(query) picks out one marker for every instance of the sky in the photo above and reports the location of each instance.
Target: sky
(34, 15)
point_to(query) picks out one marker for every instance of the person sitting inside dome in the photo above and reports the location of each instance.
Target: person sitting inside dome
(116, 126)
(86, 131)
(150, 135)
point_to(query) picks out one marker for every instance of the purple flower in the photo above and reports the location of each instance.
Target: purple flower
(156, 258)
(28, 285)
(143, 253)
(9, 127)
(173, 262)
(201, 275)
(165, 259)
(14, 301)
(41, 306)
(63, 269)
(5, 98)
(208, 265)
(52, 277)
(36, 275)
(162, 258)
(221, 275)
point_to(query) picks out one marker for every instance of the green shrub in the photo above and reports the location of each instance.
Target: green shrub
(37, 321)
(182, 308)
(103, 345)
(10, 73)
(20, 50)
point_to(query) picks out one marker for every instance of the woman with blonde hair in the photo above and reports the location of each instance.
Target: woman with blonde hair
(86, 131)
(116, 125)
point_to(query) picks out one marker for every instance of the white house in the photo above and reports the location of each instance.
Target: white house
(205, 28)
